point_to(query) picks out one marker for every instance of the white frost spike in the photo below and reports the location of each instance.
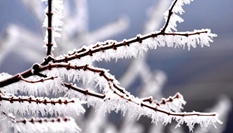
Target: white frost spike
(58, 14)
(91, 101)
(175, 105)
(87, 76)
(172, 24)
(37, 89)
(205, 39)
(203, 121)
(61, 126)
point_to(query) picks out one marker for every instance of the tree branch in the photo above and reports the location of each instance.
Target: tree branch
(58, 124)
(31, 99)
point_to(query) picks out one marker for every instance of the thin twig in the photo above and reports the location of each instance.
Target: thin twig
(49, 28)
(12, 99)
(34, 120)
(39, 80)
(163, 101)
(170, 12)
(83, 91)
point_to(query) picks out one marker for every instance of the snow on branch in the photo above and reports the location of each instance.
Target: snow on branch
(30, 105)
(33, 85)
(42, 125)
(170, 16)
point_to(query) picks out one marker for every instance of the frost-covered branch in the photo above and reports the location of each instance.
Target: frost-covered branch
(40, 105)
(41, 125)
(137, 45)
(53, 11)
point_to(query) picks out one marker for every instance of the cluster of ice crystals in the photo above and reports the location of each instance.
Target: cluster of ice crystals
(175, 105)
(4, 76)
(203, 121)
(90, 100)
(178, 6)
(39, 88)
(172, 25)
(5, 124)
(174, 17)
(85, 76)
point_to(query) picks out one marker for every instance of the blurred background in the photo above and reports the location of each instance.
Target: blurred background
(204, 76)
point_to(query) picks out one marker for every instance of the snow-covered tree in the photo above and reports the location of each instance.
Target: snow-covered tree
(28, 93)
